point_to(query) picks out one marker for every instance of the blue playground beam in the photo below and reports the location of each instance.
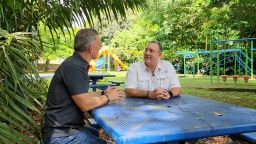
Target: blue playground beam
(242, 39)
(207, 52)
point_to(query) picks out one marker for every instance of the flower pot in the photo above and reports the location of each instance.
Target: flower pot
(246, 78)
(224, 77)
(235, 77)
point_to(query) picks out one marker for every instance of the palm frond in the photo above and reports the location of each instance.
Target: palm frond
(16, 99)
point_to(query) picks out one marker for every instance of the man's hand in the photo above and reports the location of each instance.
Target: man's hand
(159, 94)
(166, 94)
(114, 94)
(152, 95)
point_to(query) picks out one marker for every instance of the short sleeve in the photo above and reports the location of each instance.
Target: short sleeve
(131, 78)
(76, 79)
(174, 80)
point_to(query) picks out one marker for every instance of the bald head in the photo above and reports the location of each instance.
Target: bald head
(157, 43)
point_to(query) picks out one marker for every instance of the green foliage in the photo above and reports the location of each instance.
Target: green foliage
(20, 89)
(107, 28)
(61, 46)
(185, 25)
(129, 44)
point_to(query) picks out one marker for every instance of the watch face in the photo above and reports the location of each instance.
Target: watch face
(170, 93)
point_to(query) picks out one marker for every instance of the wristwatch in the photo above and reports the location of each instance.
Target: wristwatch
(107, 98)
(148, 94)
(171, 94)
(103, 92)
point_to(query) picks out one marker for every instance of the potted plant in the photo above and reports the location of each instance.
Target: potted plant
(224, 77)
(235, 77)
(246, 78)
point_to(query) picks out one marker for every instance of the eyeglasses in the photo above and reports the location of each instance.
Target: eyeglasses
(151, 50)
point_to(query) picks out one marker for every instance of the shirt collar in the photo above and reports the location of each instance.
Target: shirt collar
(83, 62)
(77, 55)
(158, 66)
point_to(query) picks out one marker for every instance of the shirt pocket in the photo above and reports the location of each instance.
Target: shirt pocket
(163, 82)
(143, 83)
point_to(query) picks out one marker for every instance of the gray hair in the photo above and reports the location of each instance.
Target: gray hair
(84, 38)
(157, 43)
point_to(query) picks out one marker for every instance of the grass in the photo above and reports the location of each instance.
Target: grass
(239, 93)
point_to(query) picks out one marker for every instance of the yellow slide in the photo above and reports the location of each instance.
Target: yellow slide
(104, 51)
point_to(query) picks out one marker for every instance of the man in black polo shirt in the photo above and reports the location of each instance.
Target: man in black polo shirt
(68, 97)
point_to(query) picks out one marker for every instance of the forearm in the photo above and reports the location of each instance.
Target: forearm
(176, 91)
(89, 101)
(95, 94)
(131, 92)
(96, 102)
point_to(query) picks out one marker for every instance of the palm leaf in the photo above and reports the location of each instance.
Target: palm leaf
(16, 100)
(10, 135)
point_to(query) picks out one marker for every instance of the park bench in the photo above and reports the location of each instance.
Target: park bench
(245, 137)
(116, 82)
(102, 86)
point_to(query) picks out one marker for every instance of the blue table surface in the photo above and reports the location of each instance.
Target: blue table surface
(140, 120)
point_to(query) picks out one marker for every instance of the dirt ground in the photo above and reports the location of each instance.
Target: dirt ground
(210, 140)
(215, 140)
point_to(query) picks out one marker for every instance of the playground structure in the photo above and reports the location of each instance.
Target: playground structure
(248, 47)
(101, 60)
(241, 57)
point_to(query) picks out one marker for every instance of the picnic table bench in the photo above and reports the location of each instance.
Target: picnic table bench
(102, 86)
(94, 79)
(245, 137)
(116, 82)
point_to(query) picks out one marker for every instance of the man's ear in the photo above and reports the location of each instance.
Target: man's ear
(161, 55)
(90, 49)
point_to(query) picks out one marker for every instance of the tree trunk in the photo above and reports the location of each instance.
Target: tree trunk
(47, 63)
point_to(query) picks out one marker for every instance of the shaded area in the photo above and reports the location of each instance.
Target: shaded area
(233, 89)
(230, 89)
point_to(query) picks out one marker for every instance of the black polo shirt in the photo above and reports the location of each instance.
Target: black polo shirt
(61, 113)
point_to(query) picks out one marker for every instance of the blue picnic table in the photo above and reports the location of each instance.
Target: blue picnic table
(94, 78)
(142, 120)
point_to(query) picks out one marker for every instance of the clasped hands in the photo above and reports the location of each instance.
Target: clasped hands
(159, 94)
(114, 94)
